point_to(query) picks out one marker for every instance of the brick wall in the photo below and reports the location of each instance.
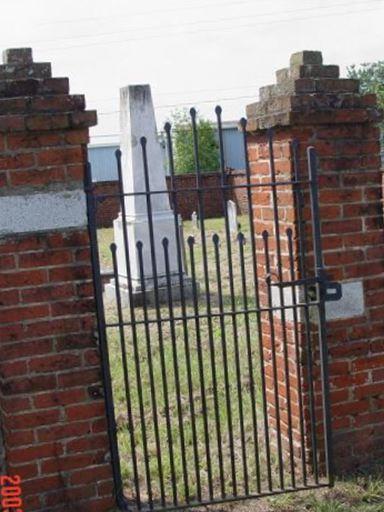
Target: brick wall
(108, 207)
(187, 201)
(311, 105)
(237, 178)
(51, 394)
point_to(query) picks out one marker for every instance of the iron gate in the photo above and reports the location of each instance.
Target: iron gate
(193, 398)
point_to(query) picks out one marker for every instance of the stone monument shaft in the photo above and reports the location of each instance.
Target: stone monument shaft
(137, 120)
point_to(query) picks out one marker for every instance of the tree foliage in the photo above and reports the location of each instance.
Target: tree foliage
(371, 76)
(184, 148)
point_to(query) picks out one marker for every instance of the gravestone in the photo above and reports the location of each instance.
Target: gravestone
(194, 219)
(137, 120)
(232, 217)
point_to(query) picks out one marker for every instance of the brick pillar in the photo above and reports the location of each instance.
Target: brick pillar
(312, 105)
(51, 399)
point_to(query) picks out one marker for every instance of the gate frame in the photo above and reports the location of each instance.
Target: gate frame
(320, 281)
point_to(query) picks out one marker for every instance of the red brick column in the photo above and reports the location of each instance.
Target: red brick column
(51, 398)
(312, 105)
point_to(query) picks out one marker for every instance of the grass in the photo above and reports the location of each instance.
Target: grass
(164, 365)
(363, 492)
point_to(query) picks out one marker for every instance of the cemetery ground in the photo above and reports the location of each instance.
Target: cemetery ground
(238, 363)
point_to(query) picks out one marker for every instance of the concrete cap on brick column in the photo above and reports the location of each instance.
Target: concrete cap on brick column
(306, 57)
(309, 92)
(18, 65)
(18, 56)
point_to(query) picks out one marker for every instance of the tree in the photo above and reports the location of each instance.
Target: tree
(183, 144)
(371, 76)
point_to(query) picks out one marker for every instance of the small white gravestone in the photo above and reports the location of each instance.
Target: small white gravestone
(194, 219)
(137, 120)
(232, 217)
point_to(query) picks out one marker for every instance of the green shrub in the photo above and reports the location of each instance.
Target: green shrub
(183, 144)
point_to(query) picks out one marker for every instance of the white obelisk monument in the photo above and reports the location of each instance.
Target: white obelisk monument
(137, 120)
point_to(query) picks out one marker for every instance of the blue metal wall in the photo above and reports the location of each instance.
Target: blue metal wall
(103, 162)
(102, 158)
(233, 148)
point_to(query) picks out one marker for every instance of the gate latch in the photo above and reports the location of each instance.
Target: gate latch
(331, 289)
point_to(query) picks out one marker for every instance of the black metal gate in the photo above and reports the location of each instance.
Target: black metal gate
(185, 375)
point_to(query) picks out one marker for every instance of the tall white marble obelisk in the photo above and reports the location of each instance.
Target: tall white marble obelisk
(137, 120)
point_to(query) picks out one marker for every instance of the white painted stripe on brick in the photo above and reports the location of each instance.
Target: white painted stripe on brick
(42, 212)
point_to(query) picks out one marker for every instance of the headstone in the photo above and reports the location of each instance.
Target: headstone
(194, 219)
(232, 217)
(137, 120)
(182, 241)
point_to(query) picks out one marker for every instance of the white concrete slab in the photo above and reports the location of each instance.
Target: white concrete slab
(350, 305)
(42, 212)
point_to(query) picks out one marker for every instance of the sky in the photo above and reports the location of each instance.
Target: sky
(192, 52)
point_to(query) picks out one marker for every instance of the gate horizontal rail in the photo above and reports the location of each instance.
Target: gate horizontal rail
(228, 188)
(217, 315)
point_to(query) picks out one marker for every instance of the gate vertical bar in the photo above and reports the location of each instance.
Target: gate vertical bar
(320, 274)
(179, 244)
(224, 188)
(216, 242)
(265, 236)
(143, 142)
(276, 222)
(128, 256)
(126, 375)
(107, 382)
(200, 192)
(307, 320)
(165, 243)
(243, 124)
(139, 246)
(241, 243)
(195, 299)
(295, 307)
